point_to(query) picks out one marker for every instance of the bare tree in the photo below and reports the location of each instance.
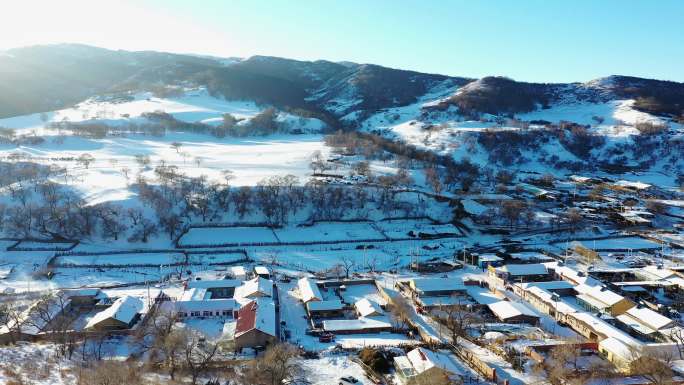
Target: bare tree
(176, 146)
(277, 366)
(573, 216)
(457, 317)
(197, 353)
(401, 311)
(347, 265)
(656, 368)
(10, 319)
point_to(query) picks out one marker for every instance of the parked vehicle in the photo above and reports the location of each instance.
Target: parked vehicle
(348, 380)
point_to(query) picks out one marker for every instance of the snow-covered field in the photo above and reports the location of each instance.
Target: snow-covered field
(202, 236)
(330, 232)
(149, 259)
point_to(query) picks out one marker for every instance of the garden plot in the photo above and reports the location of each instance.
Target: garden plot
(215, 258)
(44, 246)
(326, 259)
(331, 232)
(400, 228)
(207, 236)
(328, 370)
(129, 259)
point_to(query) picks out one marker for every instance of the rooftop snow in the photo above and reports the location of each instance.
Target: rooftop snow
(427, 285)
(507, 309)
(308, 290)
(123, 309)
(334, 304)
(356, 324)
(525, 269)
(367, 308)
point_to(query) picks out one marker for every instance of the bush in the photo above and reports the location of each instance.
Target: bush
(375, 359)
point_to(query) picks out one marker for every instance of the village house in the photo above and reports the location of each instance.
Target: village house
(437, 292)
(199, 302)
(513, 312)
(256, 324)
(255, 288)
(486, 260)
(366, 308)
(644, 322)
(325, 309)
(308, 290)
(123, 314)
(436, 287)
(218, 288)
(423, 366)
(601, 299)
(512, 273)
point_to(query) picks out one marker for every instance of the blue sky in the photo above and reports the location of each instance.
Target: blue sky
(528, 40)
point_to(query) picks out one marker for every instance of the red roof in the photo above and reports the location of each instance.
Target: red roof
(246, 318)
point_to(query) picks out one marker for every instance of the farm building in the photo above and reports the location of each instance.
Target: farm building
(422, 366)
(256, 324)
(513, 312)
(123, 314)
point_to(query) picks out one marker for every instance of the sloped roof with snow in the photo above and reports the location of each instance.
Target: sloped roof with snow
(650, 318)
(548, 285)
(214, 283)
(573, 275)
(308, 290)
(255, 286)
(604, 328)
(507, 309)
(123, 309)
(209, 305)
(259, 314)
(422, 359)
(599, 293)
(356, 324)
(367, 308)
